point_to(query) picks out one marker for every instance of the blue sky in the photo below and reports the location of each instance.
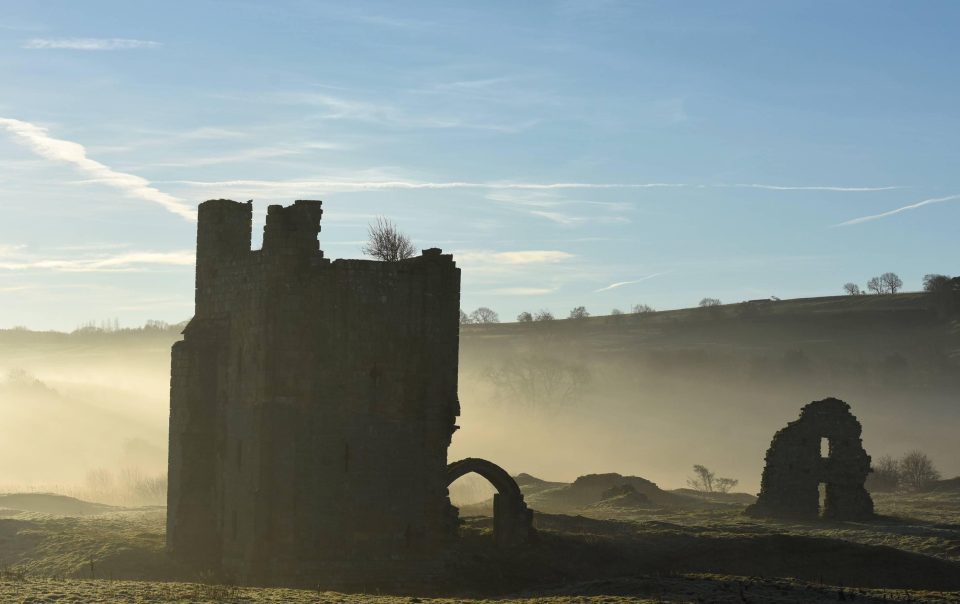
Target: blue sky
(679, 149)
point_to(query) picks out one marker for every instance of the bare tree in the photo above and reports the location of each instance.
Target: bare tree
(852, 289)
(385, 242)
(891, 282)
(725, 485)
(615, 312)
(917, 471)
(539, 380)
(464, 319)
(875, 285)
(580, 312)
(524, 317)
(543, 315)
(702, 480)
(885, 475)
(484, 315)
(709, 302)
(641, 308)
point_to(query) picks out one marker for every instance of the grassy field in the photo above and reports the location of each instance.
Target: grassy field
(680, 588)
(910, 554)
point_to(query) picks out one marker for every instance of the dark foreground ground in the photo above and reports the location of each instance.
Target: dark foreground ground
(645, 554)
(681, 588)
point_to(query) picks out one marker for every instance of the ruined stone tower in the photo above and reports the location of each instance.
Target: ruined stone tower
(312, 404)
(822, 447)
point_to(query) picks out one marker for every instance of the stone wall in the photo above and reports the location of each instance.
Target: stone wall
(795, 467)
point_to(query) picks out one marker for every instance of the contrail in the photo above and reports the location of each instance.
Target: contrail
(912, 206)
(406, 184)
(813, 188)
(40, 142)
(622, 283)
(350, 185)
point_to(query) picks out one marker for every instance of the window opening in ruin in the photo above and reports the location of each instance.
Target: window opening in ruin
(821, 498)
(824, 447)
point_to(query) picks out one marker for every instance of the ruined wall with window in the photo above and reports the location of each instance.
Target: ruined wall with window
(312, 405)
(822, 447)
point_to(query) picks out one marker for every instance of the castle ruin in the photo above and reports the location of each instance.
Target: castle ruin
(822, 447)
(312, 403)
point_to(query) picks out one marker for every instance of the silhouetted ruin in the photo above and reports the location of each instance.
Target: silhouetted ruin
(311, 407)
(512, 519)
(822, 447)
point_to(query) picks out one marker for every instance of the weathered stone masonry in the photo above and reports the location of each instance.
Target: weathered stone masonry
(312, 405)
(795, 467)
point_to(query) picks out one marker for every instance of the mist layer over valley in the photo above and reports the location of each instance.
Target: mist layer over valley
(646, 394)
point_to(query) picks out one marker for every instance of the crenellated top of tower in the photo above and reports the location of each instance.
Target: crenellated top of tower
(224, 229)
(294, 228)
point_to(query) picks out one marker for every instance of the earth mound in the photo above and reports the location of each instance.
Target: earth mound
(623, 497)
(588, 490)
(50, 503)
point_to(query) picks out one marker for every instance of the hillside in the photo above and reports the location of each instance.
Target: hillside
(838, 325)
(640, 394)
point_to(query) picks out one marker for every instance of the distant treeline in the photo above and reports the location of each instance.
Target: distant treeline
(942, 294)
(111, 326)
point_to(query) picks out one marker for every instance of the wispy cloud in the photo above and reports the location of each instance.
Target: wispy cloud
(489, 262)
(88, 44)
(299, 185)
(524, 291)
(558, 217)
(157, 303)
(125, 262)
(553, 206)
(256, 153)
(567, 219)
(530, 257)
(387, 114)
(366, 185)
(907, 208)
(517, 272)
(8, 250)
(810, 188)
(622, 283)
(88, 247)
(38, 140)
(211, 133)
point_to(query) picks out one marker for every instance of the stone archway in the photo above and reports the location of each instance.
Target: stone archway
(797, 465)
(512, 519)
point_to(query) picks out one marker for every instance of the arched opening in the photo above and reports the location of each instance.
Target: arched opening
(512, 519)
(472, 494)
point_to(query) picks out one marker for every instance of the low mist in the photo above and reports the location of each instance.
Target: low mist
(85, 414)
